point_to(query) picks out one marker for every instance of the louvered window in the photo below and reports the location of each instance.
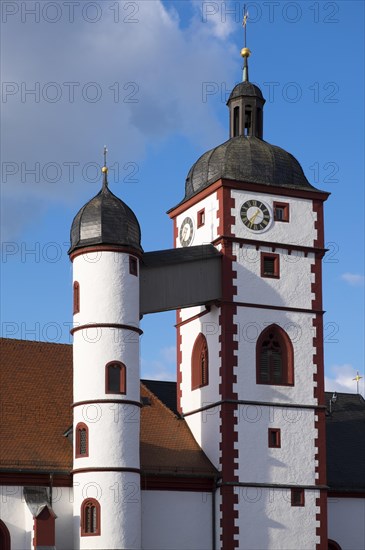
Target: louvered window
(274, 356)
(90, 517)
(199, 363)
(82, 441)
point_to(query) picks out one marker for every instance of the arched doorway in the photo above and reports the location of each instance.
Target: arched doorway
(4, 537)
(332, 545)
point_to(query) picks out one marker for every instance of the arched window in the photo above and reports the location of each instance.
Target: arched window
(333, 545)
(199, 363)
(115, 378)
(76, 297)
(236, 121)
(90, 518)
(4, 536)
(82, 440)
(274, 358)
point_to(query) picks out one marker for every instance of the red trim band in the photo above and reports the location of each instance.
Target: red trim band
(96, 401)
(273, 245)
(87, 470)
(105, 248)
(106, 325)
(197, 316)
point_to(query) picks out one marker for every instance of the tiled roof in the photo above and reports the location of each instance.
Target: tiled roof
(36, 398)
(345, 436)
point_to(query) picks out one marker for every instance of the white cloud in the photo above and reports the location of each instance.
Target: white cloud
(340, 379)
(353, 279)
(153, 61)
(161, 368)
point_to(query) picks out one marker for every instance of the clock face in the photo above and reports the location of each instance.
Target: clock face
(255, 215)
(186, 233)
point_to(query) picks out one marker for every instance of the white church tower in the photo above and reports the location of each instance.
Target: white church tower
(250, 365)
(105, 252)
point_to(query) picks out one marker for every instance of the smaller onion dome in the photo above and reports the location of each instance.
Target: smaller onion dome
(105, 220)
(245, 89)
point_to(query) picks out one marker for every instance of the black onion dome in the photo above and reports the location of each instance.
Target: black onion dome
(105, 219)
(245, 89)
(248, 160)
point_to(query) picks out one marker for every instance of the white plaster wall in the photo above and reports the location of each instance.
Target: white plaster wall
(208, 232)
(92, 350)
(293, 463)
(204, 425)
(346, 524)
(119, 496)
(251, 322)
(108, 292)
(62, 504)
(300, 229)
(280, 525)
(13, 514)
(113, 435)
(292, 289)
(176, 520)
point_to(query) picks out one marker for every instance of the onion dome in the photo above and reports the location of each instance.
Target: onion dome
(246, 159)
(105, 220)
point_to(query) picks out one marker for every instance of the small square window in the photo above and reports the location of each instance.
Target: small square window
(200, 218)
(297, 497)
(270, 266)
(274, 438)
(281, 211)
(133, 266)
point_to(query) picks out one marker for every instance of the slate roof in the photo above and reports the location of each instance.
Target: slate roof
(245, 89)
(345, 436)
(36, 398)
(246, 159)
(180, 255)
(105, 219)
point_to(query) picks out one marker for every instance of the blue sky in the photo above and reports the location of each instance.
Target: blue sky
(150, 80)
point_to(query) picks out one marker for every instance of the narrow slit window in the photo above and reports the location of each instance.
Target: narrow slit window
(115, 378)
(248, 120)
(236, 121)
(201, 218)
(274, 438)
(133, 266)
(76, 297)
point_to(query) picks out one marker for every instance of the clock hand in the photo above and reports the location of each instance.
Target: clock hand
(254, 217)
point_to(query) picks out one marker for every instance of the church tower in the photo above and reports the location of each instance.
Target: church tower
(250, 365)
(105, 252)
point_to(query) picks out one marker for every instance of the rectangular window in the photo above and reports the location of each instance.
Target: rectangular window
(297, 497)
(274, 438)
(133, 266)
(281, 211)
(270, 266)
(200, 218)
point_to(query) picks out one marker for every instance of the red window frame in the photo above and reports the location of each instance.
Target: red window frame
(297, 496)
(200, 218)
(274, 438)
(285, 207)
(276, 263)
(76, 297)
(89, 504)
(81, 426)
(287, 355)
(122, 377)
(200, 363)
(133, 266)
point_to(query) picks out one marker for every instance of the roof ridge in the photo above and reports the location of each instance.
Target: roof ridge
(6, 340)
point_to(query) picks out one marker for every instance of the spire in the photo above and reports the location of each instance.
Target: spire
(105, 170)
(245, 52)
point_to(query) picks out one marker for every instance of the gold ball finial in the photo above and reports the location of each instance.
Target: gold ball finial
(245, 52)
(104, 170)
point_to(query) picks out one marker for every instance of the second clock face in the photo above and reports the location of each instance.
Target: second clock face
(186, 232)
(255, 215)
